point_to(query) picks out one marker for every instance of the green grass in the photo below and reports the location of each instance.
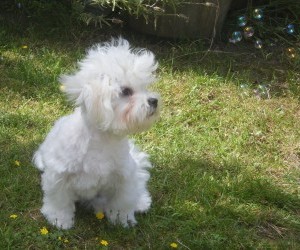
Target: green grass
(226, 162)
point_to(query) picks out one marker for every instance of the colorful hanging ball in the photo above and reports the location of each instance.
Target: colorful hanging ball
(245, 89)
(236, 37)
(263, 91)
(291, 52)
(242, 21)
(290, 29)
(258, 43)
(248, 31)
(258, 14)
(244, 86)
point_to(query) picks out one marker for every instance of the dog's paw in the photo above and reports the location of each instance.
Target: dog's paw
(120, 217)
(64, 224)
(60, 219)
(144, 203)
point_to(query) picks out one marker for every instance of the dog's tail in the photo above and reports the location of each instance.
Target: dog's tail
(38, 161)
(141, 158)
(143, 164)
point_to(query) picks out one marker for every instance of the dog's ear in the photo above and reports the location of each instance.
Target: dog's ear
(145, 65)
(94, 95)
(98, 96)
(72, 86)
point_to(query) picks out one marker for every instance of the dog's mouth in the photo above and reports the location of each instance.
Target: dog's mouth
(152, 111)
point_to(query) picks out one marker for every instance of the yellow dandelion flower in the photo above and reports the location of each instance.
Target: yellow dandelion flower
(104, 243)
(66, 241)
(17, 163)
(173, 245)
(59, 238)
(13, 216)
(62, 88)
(24, 47)
(100, 215)
(44, 231)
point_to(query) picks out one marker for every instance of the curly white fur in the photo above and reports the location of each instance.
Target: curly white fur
(87, 156)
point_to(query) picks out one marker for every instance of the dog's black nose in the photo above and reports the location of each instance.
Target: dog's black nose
(152, 102)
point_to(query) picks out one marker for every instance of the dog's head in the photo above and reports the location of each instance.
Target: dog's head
(111, 87)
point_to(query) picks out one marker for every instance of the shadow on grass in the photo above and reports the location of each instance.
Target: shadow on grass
(226, 200)
(205, 203)
(246, 185)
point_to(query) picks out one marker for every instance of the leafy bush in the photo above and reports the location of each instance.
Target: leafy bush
(106, 11)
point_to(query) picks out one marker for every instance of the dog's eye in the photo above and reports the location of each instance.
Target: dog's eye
(127, 91)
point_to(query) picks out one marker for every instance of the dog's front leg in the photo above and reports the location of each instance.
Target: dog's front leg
(58, 203)
(120, 208)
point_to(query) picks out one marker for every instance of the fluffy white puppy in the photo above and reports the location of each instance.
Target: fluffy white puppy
(87, 156)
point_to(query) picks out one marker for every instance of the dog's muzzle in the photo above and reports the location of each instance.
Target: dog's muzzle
(153, 102)
(153, 105)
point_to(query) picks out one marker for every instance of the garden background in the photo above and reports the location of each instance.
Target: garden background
(226, 151)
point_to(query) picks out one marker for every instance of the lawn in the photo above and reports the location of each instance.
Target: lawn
(226, 151)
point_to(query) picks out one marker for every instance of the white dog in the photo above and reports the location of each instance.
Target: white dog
(87, 156)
